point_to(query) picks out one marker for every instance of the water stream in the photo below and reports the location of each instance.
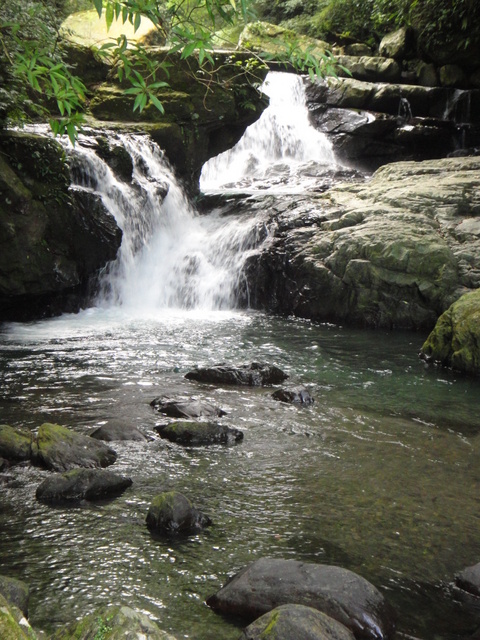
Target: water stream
(379, 475)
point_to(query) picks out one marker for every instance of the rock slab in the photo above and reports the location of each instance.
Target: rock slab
(199, 433)
(337, 592)
(256, 374)
(81, 484)
(171, 513)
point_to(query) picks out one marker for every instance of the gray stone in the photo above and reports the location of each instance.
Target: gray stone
(293, 395)
(186, 408)
(81, 484)
(60, 449)
(256, 374)
(117, 431)
(469, 579)
(188, 433)
(341, 594)
(13, 624)
(16, 592)
(298, 622)
(451, 75)
(396, 44)
(15, 444)
(172, 513)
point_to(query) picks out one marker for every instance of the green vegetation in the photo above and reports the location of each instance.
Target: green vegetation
(452, 24)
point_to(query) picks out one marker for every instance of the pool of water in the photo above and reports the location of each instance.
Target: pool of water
(380, 475)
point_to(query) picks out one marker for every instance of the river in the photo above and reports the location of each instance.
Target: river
(380, 475)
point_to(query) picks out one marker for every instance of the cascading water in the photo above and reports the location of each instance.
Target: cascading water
(281, 151)
(170, 256)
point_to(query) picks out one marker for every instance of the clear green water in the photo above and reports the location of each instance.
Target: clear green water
(380, 475)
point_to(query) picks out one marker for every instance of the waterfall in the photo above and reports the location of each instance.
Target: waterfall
(170, 256)
(280, 151)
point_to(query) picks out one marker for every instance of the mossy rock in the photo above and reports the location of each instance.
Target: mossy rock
(16, 592)
(264, 37)
(15, 445)
(60, 449)
(13, 625)
(190, 433)
(171, 512)
(455, 340)
(296, 621)
(81, 484)
(114, 622)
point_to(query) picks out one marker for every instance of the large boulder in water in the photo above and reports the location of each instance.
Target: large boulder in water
(298, 622)
(171, 512)
(60, 449)
(15, 444)
(81, 484)
(186, 408)
(113, 622)
(293, 395)
(469, 579)
(394, 252)
(455, 339)
(117, 431)
(196, 434)
(16, 592)
(339, 593)
(256, 374)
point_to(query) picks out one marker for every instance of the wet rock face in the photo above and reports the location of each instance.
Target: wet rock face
(52, 241)
(15, 444)
(186, 408)
(293, 395)
(256, 374)
(396, 251)
(339, 593)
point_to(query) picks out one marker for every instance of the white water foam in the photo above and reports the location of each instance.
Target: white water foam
(280, 151)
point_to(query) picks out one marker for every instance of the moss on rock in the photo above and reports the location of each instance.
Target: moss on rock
(15, 445)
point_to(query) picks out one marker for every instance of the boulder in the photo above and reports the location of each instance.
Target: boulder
(394, 252)
(16, 593)
(15, 444)
(396, 44)
(339, 593)
(451, 75)
(52, 241)
(186, 408)
(117, 431)
(293, 395)
(296, 621)
(469, 579)
(256, 374)
(13, 624)
(455, 340)
(81, 484)
(113, 622)
(60, 449)
(199, 433)
(172, 513)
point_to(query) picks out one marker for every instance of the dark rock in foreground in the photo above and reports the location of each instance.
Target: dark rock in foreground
(59, 449)
(171, 512)
(15, 445)
(114, 622)
(199, 433)
(186, 408)
(15, 592)
(469, 579)
(296, 621)
(81, 484)
(112, 432)
(257, 374)
(296, 395)
(13, 625)
(339, 593)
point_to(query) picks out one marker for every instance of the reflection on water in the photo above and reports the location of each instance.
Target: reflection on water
(380, 475)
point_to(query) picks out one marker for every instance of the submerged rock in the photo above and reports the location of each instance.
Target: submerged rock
(339, 593)
(296, 621)
(455, 340)
(15, 444)
(60, 449)
(81, 484)
(186, 408)
(16, 592)
(256, 374)
(295, 395)
(199, 433)
(171, 512)
(113, 622)
(117, 431)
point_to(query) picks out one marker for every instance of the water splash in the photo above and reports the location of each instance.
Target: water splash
(280, 151)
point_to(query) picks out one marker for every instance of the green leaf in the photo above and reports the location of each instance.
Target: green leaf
(156, 102)
(137, 21)
(72, 132)
(99, 7)
(109, 15)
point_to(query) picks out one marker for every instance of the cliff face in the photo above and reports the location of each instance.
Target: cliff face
(52, 241)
